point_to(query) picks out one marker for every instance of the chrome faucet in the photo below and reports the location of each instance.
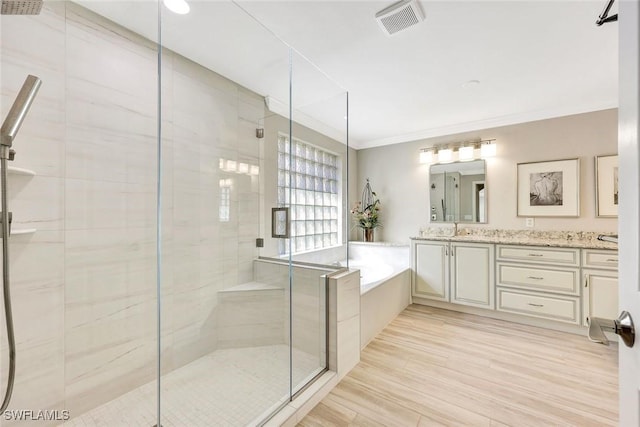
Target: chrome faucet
(613, 238)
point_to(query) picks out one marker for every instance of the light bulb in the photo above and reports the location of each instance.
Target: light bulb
(465, 153)
(426, 156)
(181, 7)
(488, 150)
(445, 155)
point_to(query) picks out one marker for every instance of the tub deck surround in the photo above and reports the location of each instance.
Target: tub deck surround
(374, 244)
(385, 288)
(566, 239)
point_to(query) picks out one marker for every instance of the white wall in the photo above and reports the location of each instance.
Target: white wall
(402, 182)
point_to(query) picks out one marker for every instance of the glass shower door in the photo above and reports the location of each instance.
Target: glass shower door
(316, 159)
(225, 358)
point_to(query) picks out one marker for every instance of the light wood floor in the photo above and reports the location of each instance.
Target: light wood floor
(437, 367)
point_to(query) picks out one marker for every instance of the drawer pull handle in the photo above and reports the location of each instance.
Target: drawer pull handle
(612, 260)
(536, 305)
(535, 277)
(536, 255)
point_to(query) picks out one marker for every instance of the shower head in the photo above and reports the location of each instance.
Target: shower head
(19, 110)
(21, 7)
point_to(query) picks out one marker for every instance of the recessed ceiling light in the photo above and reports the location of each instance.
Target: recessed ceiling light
(181, 7)
(471, 83)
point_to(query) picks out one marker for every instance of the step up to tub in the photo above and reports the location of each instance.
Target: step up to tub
(251, 314)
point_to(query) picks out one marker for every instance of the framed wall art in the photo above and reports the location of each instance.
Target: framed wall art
(549, 188)
(607, 186)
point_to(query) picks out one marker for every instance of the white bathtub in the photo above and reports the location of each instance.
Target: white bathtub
(371, 275)
(385, 284)
(377, 262)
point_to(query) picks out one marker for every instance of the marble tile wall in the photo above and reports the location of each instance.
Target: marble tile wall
(85, 282)
(36, 260)
(110, 177)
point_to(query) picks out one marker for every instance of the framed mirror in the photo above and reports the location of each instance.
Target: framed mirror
(458, 192)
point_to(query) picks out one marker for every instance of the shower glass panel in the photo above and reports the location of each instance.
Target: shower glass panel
(318, 153)
(226, 356)
(83, 196)
(147, 286)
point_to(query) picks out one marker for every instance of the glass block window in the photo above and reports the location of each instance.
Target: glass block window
(308, 184)
(225, 200)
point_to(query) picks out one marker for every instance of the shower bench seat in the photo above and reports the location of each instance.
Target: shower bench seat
(251, 314)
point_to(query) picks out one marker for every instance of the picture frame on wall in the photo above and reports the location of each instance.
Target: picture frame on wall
(607, 186)
(550, 188)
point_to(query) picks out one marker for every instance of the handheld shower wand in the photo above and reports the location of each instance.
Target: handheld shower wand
(19, 110)
(8, 132)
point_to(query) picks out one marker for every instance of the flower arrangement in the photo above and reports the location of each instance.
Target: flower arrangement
(367, 217)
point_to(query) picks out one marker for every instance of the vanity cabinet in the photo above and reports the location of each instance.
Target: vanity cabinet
(561, 284)
(539, 282)
(457, 272)
(600, 275)
(431, 271)
(472, 274)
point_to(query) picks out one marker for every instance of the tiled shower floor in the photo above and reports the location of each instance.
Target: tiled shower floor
(232, 387)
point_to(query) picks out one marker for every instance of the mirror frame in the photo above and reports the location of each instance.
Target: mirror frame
(456, 167)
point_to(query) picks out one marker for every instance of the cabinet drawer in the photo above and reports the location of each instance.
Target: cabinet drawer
(539, 254)
(564, 309)
(565, 280)
(600, 259)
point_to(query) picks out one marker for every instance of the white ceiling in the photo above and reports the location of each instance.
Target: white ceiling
(534, 60)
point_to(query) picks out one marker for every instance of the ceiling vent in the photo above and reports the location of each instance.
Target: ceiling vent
(399, 16)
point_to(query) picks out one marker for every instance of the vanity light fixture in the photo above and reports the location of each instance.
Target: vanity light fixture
(462, 151)
(426, 155)
(488, 149)
(181, 7)
(466, 153)
(445, 155)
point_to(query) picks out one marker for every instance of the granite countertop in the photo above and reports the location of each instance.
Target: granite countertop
(565, 239)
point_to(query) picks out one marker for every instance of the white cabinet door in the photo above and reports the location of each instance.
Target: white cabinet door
(431, 272)
(472, 274)
(600, 298)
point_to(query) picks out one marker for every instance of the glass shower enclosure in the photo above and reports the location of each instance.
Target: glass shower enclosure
(179, 197)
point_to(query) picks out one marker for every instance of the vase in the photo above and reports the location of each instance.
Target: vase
(368, 234)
